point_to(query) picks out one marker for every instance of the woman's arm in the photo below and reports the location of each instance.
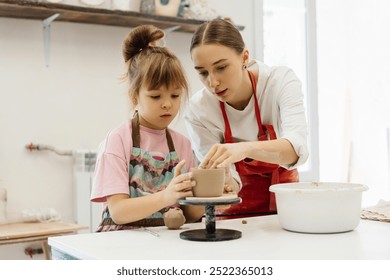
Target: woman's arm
(278, 151)
(203, 139)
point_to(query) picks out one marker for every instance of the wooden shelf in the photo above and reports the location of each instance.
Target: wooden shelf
(42, 10)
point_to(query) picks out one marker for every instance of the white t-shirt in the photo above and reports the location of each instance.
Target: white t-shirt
(280, 101)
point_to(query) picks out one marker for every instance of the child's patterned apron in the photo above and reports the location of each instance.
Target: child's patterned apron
(256, 176)
(147, 175)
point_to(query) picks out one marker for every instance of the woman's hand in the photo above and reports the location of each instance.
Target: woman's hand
(180, 186)
(222, 155)
(231, 184)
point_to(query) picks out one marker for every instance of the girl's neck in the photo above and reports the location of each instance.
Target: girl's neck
(146, 124)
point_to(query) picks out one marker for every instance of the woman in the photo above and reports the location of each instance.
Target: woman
(248, 114)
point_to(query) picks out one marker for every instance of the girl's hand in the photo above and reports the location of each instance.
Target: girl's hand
(222, 155)
(180, 186)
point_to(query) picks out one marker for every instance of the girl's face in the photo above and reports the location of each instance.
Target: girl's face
(157, 108)
(220, 70)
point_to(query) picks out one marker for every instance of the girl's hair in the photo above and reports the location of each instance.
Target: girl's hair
(218, 31)
(151, 65)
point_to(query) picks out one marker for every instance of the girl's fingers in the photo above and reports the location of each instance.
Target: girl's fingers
(182, 177)
(179, 167)
(185, 186)
(186, 194)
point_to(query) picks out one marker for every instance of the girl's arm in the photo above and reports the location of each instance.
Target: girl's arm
(126, 210)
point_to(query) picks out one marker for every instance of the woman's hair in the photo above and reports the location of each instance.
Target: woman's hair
(218, 31)
(151, 65)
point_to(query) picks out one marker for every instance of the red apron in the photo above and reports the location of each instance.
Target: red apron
(256, 176)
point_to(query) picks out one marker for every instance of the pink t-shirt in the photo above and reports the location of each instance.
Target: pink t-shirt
(112, 166)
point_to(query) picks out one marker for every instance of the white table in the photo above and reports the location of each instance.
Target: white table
(262, 238)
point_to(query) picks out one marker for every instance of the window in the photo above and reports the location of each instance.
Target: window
(354, 94)
(349, 114)
(288, 40)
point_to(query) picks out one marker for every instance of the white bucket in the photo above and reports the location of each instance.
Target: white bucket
(315, 207)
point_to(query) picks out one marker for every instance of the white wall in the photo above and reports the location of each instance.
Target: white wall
(71, 104)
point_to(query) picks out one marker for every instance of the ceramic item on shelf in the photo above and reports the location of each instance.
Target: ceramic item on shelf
(198, 9)
(147, 7)
(169, 8)
(134, 5)
(123, 5)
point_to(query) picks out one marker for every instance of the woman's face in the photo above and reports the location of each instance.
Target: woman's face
(157, 108)
(220, 70)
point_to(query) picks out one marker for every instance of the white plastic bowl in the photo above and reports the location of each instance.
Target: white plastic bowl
(319, 207)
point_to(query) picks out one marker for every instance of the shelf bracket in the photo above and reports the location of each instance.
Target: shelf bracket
(46, 36)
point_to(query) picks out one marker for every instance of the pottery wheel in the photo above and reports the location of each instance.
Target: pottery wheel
(210, 233)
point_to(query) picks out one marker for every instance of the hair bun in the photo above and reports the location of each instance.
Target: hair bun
(140, 38)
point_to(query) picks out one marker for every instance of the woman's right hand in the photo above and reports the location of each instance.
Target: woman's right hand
(222, 155)
(180, 186)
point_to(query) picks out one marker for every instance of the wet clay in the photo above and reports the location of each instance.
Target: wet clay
(174, 218)
(209, 182)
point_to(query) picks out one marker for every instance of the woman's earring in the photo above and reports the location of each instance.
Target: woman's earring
(244, 67)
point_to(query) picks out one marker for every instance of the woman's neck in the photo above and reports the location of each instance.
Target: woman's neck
(244, 96)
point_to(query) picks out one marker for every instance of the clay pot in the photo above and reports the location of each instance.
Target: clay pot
(209, 182)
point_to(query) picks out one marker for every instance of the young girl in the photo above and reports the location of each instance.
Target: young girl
(138, 173)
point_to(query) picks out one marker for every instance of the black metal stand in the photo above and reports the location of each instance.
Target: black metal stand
(210, 233)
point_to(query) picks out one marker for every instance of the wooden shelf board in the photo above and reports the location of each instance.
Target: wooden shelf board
(68, 13)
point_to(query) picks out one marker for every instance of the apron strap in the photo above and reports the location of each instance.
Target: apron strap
(170, 141)
(257, 110)
(228, 132)
(136, 135)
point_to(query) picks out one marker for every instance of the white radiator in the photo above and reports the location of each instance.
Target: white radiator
(84, 212)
